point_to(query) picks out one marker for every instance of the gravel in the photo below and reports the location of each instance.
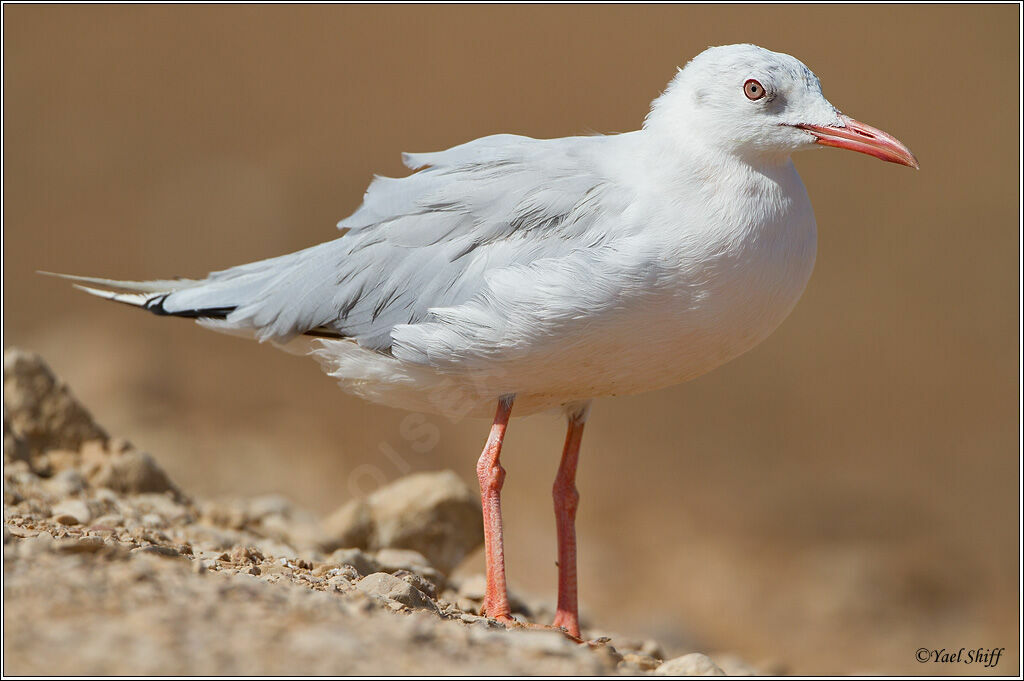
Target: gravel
(108, 562)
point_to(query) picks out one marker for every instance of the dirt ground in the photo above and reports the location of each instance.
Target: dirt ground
(110, 569)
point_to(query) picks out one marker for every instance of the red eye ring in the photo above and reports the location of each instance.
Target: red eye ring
(753, 90)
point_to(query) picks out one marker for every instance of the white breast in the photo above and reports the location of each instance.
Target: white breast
(713, 293)
(737, 278)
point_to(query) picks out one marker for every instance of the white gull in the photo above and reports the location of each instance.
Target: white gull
(545, 273)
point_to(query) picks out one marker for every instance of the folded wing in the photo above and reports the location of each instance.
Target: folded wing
(429, 240)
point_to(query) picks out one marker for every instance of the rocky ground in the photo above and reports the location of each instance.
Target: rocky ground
(109, 568)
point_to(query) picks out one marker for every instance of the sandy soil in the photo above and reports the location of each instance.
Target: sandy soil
(110, 569)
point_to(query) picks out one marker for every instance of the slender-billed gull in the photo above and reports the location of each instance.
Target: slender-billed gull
(545, 273)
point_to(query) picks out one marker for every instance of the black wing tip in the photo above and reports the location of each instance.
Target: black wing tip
(156, 306)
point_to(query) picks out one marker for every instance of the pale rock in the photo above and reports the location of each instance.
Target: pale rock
(40, 409)
(351, 526)
(131, 472)
(71, 512)
(693, 664)
(392, 560)
(434, 513)
(420, 582)
(381, 584)
(363, 563)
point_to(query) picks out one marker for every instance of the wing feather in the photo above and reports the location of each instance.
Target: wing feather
(425, 241)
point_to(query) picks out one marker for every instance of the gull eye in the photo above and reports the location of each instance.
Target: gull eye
(753, 90)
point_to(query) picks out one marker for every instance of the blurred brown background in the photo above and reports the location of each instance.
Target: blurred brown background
(837, 498)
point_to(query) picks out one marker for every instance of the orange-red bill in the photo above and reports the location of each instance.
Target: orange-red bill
(861, 137)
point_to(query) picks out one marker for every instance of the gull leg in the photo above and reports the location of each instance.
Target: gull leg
(567, 500)
(491, 476)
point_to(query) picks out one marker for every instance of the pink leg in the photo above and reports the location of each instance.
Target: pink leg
(491, 476)
(567, 499)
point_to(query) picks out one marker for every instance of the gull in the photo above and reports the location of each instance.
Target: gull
(543, 273)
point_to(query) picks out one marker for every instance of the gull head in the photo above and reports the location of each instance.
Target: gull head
(751, 102)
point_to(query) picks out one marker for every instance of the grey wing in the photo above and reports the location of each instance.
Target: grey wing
(424, 241)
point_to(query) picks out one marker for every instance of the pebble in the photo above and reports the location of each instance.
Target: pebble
(71, 512)
(404, 560)
(339, 583)
(348, 572)
(242, 555)
(363, 563)
(609, 657)
(418, 581)
(381, 584)
(694, 664)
